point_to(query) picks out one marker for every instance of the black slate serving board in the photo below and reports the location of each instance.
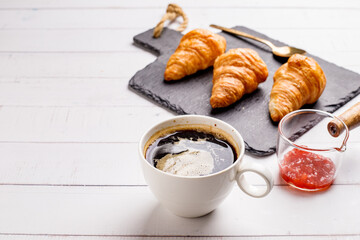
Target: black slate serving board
(250, 115)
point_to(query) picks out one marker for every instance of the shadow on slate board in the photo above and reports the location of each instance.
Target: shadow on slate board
(250, 115)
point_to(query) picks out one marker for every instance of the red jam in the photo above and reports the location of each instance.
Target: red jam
(307, 170)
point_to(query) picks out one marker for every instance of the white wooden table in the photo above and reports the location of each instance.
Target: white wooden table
(69, 125)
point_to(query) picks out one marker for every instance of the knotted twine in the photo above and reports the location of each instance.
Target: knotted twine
(172, 12)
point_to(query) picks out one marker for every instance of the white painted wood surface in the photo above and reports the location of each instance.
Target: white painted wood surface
(69, 125)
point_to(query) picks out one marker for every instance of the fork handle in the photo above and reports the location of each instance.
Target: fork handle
(239, 33)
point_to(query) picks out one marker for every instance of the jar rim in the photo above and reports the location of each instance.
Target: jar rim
(320, 112)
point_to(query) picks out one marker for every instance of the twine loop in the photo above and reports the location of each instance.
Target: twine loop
(172, 12)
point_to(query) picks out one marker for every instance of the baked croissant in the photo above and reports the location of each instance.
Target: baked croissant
(298, 82)
(236, 72)
(197, 50)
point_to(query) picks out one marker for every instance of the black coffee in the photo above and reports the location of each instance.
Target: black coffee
(191, 152)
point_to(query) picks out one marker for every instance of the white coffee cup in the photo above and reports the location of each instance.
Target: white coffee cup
(195, 196)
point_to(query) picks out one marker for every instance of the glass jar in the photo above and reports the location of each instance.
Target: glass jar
(309, 157)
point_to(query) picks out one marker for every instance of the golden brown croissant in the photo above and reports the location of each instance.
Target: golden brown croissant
(197, 50)
(236, 72)
(298, 82)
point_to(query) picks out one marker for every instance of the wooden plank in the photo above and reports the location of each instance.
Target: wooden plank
(87, 237)
(83, 65)
(134, 211)
(42, 86)
(82, 124)
(114, 18)
(60, 91)
(95, 146)
(112, 164)
(115, 40)
(110, 65)
(97, 155)
(78, 124)
(67, 40)
(53, 4)
(70, 164)
(69, 91)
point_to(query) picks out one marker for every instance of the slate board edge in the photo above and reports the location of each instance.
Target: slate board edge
(173, 107)
(157, 99)
(177, 109)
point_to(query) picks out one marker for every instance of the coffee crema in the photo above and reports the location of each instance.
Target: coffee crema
(191, 150)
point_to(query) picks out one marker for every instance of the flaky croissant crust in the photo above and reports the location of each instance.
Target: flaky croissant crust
(236, 72)
(197, 50)
(298, 82)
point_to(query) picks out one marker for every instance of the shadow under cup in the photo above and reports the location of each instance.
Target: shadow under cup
(194, 196)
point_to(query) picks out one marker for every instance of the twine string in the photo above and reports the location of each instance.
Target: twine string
(172, 12)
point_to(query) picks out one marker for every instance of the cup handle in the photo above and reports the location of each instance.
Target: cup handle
(259, 169)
